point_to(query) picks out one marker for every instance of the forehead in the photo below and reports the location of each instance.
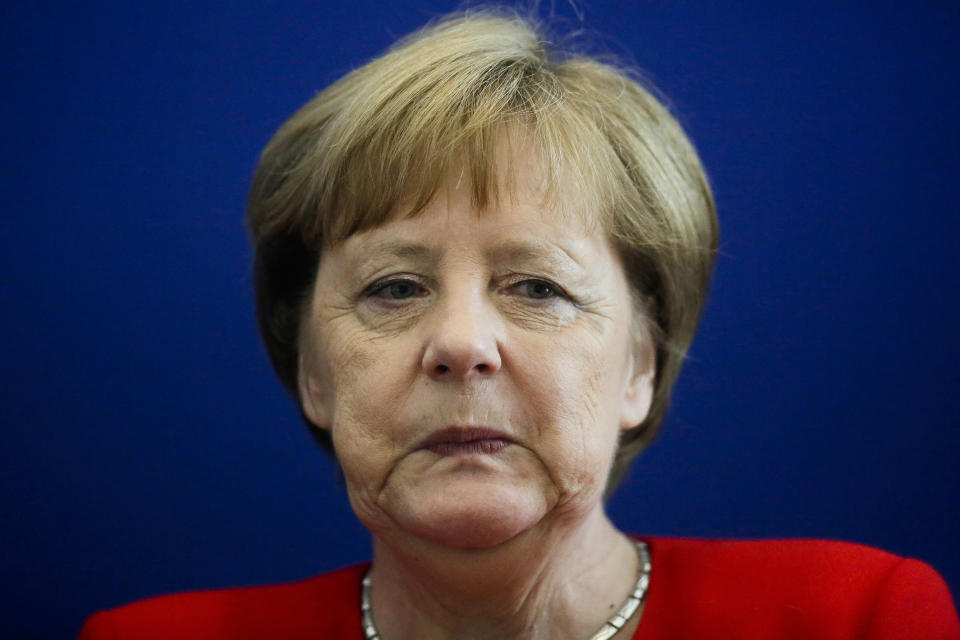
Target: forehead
(450, 240)
(526, 222)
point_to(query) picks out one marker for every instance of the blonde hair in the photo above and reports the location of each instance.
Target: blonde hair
(439, 101)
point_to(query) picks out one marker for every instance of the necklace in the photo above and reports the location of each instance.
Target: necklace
(609, 629)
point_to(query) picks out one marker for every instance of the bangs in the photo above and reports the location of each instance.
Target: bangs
(384, 139)
(399, 172)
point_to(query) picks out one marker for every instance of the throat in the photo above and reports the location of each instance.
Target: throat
(518, 615)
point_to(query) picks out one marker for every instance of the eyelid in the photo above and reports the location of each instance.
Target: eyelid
(559, 291)
(424, 285)
(380, 284)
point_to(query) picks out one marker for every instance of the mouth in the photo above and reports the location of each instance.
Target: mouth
(465, 441)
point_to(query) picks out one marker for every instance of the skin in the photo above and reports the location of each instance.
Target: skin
(516, 318)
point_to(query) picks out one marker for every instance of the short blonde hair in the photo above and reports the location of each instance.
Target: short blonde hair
(391, 132)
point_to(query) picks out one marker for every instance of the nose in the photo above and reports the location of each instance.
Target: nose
(462, 342)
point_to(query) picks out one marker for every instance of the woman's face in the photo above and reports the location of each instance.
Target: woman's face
(474, 369)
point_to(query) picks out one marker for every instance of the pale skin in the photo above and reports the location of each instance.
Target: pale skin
(515, 319)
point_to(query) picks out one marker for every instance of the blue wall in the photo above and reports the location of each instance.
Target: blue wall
(146, 446)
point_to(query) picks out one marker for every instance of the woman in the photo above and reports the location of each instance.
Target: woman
(479, 263)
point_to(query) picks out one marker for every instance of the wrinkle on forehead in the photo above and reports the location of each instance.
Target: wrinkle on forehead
(566, 251)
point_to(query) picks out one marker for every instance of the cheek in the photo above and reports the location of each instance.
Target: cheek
(369, 384)
(349, 354)
(363, 443)
(358, 365)
(593, 368)
(567, 391)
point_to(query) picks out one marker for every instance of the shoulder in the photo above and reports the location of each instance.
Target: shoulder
(325, 606)
(824, 589)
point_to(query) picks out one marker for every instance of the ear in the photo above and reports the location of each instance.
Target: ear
(638, 390)
(312, 394)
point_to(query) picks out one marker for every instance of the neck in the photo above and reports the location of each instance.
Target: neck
(549, 582)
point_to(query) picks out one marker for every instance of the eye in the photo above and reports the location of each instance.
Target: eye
(538, 289)
(399, 289)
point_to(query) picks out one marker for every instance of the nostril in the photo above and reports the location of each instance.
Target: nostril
(449, 355)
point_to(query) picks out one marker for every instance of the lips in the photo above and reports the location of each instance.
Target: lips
(466, 440)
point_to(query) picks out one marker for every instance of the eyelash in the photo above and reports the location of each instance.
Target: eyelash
(378, 288)
(554, 290)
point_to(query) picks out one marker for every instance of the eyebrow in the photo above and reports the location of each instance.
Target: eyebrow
(401, 250)
(396, 249)
(517, 250)
(509, 251)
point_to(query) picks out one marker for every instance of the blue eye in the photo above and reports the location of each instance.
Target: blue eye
(395, 289)
(402, 289)
(538, 289)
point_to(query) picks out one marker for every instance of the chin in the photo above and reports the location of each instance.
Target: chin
(468, 517)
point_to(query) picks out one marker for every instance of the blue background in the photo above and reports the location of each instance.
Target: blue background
(146, 446)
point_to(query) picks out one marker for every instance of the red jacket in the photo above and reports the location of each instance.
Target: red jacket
(703, 590)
